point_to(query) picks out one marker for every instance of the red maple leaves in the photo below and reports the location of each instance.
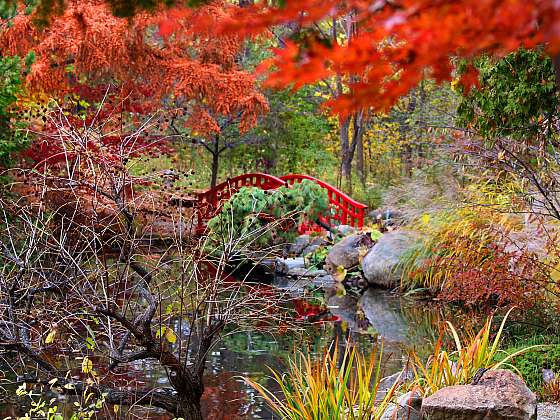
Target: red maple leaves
(399, 43)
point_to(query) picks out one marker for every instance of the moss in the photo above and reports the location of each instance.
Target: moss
(531, 364)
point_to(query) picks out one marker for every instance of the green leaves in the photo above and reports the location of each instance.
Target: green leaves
(251, 208)
(516, 94)
(12, 139)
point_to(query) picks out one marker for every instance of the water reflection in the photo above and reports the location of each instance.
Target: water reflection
(330, 317)
(366, 320)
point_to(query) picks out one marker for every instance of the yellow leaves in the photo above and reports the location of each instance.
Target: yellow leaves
(325, 387)
(170, 335)
(454, 84)
(501, 155)
(50, 336)
(87, 365)
(340, 273)
(167, 333)
(21, 390)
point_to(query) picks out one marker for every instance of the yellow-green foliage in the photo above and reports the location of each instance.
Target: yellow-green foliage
(460, 234)
(445, 368)
(327, 388)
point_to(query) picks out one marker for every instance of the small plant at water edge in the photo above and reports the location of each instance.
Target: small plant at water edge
(458, 367)
(328, 388)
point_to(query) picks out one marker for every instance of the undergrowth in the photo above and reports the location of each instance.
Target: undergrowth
(341, 384)
(468, 254)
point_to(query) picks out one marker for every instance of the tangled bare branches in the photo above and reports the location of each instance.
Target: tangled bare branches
(97, 266)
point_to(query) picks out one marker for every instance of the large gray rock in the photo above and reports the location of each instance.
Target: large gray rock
(407, 407)
(299, 244)
(293, 286)
(346, 253)
(284, 265)
(381, 264)
(306, 272)
(548, 411)
(399, 378)
(499, 395)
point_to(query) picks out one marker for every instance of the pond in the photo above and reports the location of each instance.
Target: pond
(367, 318)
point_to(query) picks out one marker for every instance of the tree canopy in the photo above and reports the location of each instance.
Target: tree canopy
(516, 96)
(193, 73)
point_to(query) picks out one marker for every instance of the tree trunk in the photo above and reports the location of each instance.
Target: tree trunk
(346, 155)
(360, 167)
(215, 162)
(188, 409)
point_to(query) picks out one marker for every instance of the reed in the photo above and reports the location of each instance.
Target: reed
(342, 384)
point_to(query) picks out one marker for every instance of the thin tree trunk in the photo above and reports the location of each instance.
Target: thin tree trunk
(215, 162)
(360, 167)
(346, 156)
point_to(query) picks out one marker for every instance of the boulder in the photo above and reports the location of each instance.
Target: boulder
(381, 264)
(305, 272)
(284, 265)
(386, 383)
(548, 411)
(498, 395)
(300, 243)
(293, 286)
(407, 407)
(347, 252)
(324, 281)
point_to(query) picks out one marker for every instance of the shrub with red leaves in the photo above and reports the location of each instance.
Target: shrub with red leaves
(500, 278)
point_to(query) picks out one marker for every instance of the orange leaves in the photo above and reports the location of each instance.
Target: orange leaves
(172, 56)
(398, 44)
(298, 66)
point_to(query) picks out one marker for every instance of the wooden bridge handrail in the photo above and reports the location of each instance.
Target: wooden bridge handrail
(349, 211)
(271, 182)
(209, 201)
(328, 187)
(337, 199)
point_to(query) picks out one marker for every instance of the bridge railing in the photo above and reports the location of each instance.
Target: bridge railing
(344, 208)
(210, 202)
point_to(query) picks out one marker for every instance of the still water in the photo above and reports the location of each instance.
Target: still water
(367, 319)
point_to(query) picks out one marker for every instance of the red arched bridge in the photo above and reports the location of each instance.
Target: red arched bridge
(342, 208)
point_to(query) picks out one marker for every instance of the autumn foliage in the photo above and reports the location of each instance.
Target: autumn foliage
(398, 43)
(192, 74)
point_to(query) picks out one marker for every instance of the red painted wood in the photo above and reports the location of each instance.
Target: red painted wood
(348, 210)
(344, 208)
(210, 202)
